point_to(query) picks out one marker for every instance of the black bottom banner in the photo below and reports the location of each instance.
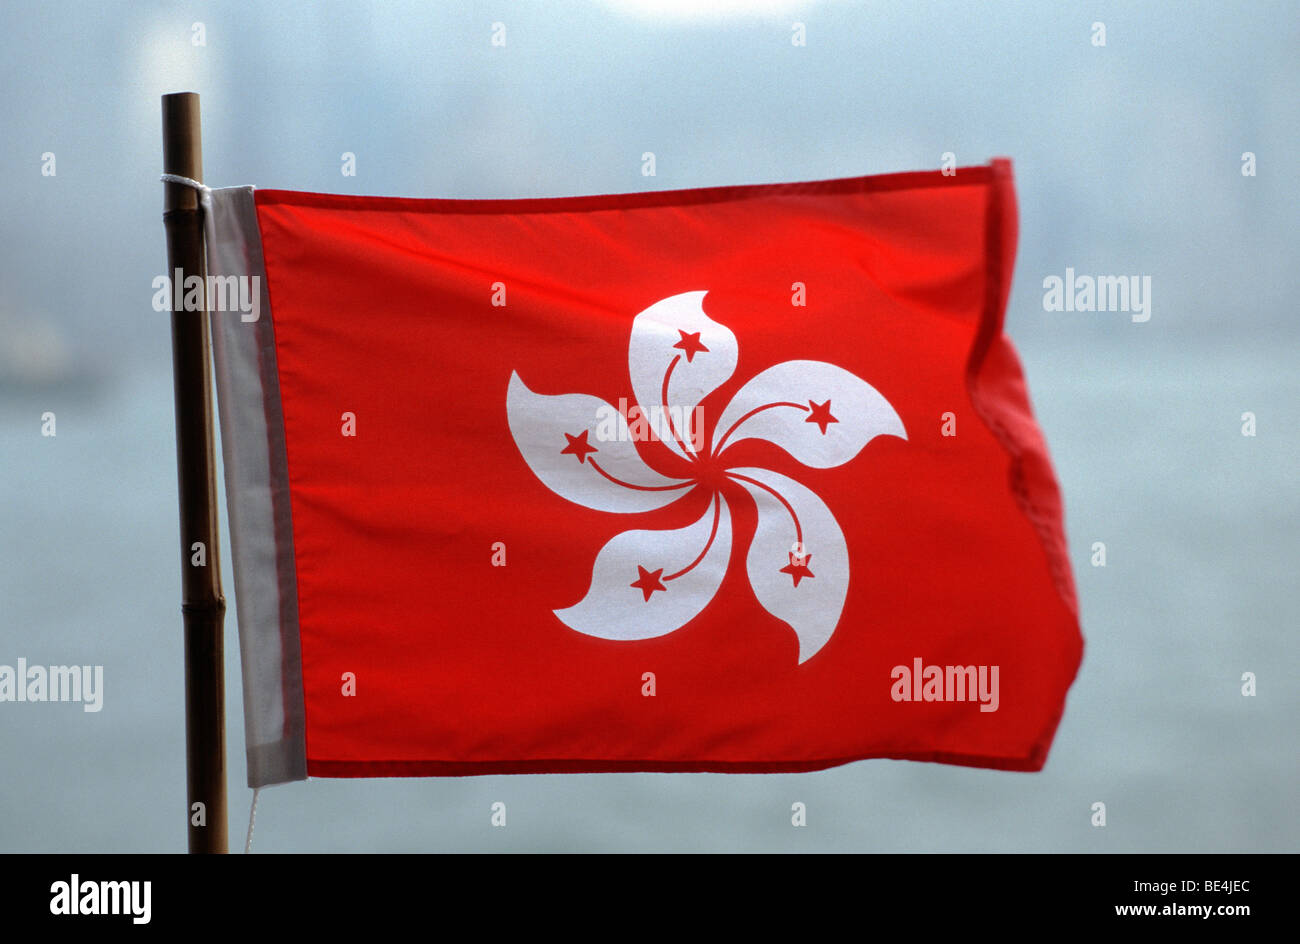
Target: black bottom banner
(138, 894)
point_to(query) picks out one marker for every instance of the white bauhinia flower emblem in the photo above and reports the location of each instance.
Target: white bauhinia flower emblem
(648, 583)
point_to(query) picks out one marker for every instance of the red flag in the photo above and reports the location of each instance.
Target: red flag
(735, 479)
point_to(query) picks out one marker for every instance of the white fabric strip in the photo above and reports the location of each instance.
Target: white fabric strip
(257, 491)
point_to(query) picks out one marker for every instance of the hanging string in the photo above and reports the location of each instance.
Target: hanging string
(252, 816)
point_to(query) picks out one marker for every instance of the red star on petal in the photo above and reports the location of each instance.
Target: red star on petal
(820, 414)
(798, 566)
(648, 581)
(690, 343)
(578, 446)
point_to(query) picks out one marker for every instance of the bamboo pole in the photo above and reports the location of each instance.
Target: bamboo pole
(203, 607)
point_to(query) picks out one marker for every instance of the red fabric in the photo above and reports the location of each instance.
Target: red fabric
(382, 308)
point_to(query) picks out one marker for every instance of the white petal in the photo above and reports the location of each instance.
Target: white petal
(614, 609)
(539, 425)
(695, 374)
(812, 608)
(861, 413)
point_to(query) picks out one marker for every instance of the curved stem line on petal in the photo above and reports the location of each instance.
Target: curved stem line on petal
(758, 409)
(717, 511)
(663, 399)
(798, 531)
(641, 488)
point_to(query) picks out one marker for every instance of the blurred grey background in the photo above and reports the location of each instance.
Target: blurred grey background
(1128, 161)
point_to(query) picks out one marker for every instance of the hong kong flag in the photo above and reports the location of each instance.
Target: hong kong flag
(733, 479)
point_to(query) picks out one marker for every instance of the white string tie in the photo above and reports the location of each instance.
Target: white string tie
(205, 192)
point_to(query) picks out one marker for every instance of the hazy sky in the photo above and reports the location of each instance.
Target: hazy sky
(1127, 156)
